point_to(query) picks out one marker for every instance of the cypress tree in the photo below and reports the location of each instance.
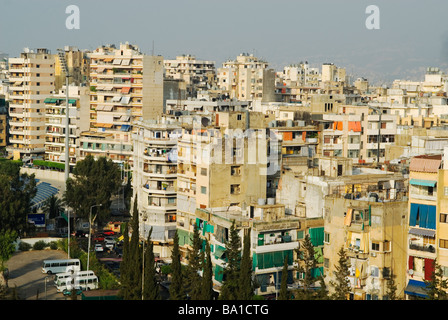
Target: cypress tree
(306, 264)
(135, 255)
(246, 288)
(150, 287)
(230, 287)
(436, 286)
(207, 276)
(341, 283)
(283, 294)
(193, 279)
(124, 265)
(176, 288)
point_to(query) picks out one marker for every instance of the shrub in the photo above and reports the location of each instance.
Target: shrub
(40, 245)
(24, 246)
(53, 245)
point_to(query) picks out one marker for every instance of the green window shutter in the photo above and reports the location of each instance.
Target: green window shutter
(317, 236)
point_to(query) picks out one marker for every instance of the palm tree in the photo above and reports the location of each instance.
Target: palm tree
(53, 206)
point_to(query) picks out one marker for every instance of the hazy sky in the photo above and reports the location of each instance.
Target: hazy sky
(412, 36)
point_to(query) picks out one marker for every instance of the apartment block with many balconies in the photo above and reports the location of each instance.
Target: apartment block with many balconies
(125, 85)
(32, 81)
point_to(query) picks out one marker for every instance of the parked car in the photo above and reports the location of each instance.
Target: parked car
(67, 292)
(108, 232)
(99, 247)
(80, 233)
(98, 237)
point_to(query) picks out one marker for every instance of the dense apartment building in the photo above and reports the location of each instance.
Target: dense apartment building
(357, 133)
(125, 85)
(3, 122)
(424, 195)
(247, 78)
(154, 180)
(78, 65)
(221, 165)
(55, 122)
(365, 215)
(197, 74)
(31, 82)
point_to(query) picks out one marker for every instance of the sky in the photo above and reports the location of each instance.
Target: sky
(412, 35)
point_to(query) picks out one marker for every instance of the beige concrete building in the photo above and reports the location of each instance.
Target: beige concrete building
(125, 85)
(154, 181)
(247, 78)
(78, 65)
(55, 122)
(32, 77)
(197, 74)
(366, 216)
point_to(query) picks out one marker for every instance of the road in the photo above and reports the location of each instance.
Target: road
(26, 275)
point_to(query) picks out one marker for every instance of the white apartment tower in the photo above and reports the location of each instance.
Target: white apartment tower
(32, 80)
(125, 85)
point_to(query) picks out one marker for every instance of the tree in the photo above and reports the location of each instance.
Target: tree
(230, 287)
(437, 286)
(53, 206)
(391, 289)
(93, 183)
(150, 287)
(307, 263)
(193, 279)
(177, 286)
(341, 283)
(283, 294)
(135, 257)
(246, 288)
(16, 192)
(207, 276)
(7, 247)
(124, 265)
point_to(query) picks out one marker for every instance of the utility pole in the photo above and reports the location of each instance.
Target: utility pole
(61, 55)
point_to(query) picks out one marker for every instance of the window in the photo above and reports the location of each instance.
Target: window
(235, 189)
(443, 243)
(443, 218)
(386, 245)
(445, 191)
(235, 170)
(326, 237)
(374, 271)
(204, 190)
(203, 171)
(375, 246)
(239, 117)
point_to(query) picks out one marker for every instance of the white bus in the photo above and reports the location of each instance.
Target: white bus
(61, 276)
(80, 282)
(58, 266)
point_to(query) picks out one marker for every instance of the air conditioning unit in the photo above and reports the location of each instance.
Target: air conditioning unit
(373, 254)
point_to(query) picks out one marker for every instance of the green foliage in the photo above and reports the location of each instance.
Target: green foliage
(16, 193)
(93, 183)
(246, 288)
(49, 164)
(283, 294)
(177, 281)
(341, 283)
(40, 245)
(53, 245)
(437, 285)
(24, 246)
(7, 247)
(230, 287)
(207, 276)
(192, 279)
(150, 286)
(53, 206)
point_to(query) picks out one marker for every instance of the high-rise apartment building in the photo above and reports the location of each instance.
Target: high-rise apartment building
(32, 81)
(247, 78)
(55, 122)
(78, 65)
(197, 74)
(125, 85)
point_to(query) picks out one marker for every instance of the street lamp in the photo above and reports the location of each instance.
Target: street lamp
(90, 233)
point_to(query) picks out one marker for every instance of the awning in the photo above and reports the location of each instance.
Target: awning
(425, 165)
(421, 182)
(104, 125)
(125, 127)
(422, 232)
(100, 69)
(125, 100)
(108, 108)
(116, 98)
(117, 61)
(125, 90)
(125, 62)
(416, 288)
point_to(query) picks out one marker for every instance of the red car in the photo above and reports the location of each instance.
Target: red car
(108, 232)
(98, 237)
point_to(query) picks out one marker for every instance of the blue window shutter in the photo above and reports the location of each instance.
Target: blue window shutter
(432, 217)
(413, 215)
(423, 210)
